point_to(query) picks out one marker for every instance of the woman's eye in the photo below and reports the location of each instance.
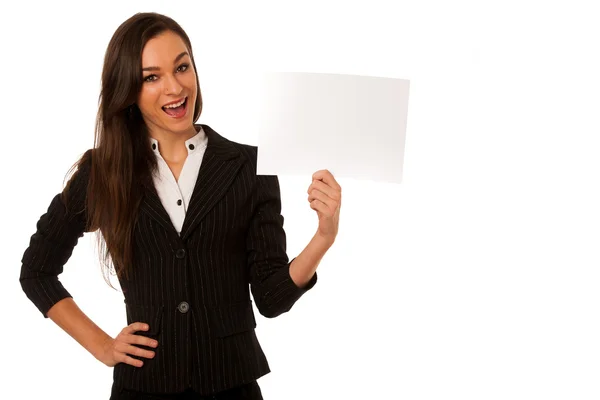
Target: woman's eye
(152, 78)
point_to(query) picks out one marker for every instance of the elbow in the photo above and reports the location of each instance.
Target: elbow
(269, 309)
(269, 312)
(43, 291)
(265, 309)
(32, 287)
(27, 285)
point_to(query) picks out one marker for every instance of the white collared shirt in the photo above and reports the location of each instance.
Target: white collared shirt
(175, 195)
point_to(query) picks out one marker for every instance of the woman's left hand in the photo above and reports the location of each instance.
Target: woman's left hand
(325, 197)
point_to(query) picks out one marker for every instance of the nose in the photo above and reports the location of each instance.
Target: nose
(172, 85)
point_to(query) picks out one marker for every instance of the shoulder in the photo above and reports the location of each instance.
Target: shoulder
(248, 154)
(267, 185)
(77, 181)
(247, 151)
(83, 167)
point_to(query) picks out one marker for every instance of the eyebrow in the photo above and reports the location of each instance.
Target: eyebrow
(158, 68)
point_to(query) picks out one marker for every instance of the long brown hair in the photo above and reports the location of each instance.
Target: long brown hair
(122, 159)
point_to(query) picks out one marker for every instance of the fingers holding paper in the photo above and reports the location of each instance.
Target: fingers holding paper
(325, 197)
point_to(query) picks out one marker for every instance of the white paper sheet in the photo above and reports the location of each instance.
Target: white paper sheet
(352, 125)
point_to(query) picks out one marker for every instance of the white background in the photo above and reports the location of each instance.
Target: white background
(476, 278)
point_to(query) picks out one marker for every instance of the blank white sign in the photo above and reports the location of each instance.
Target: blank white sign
(352, 125)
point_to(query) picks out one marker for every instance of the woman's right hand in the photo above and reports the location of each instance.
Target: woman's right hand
(119, 349)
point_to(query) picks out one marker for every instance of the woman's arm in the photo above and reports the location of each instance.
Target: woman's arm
(50, 247)
(57, 233)
(274, 289)
(325, 197)
(305, 265)
(67, 315)
(103, 347)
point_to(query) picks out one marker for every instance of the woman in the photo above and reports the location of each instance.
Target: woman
(188, 226)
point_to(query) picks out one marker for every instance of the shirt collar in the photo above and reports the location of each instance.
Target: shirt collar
(193, 144)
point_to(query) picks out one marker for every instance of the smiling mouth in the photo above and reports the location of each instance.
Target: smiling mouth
(176, 112)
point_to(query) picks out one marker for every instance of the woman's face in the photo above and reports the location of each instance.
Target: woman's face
(168, 78)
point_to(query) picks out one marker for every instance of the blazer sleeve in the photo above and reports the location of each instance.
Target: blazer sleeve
(51, 246)
(272, 287)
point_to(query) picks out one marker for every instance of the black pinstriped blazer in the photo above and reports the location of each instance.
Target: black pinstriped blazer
(192, 289)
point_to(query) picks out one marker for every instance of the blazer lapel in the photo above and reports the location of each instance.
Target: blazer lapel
(152, 205)
(220, 164)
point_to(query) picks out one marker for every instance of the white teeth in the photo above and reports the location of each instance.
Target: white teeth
(176, 104)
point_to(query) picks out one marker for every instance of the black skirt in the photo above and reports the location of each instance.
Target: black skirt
(249, 391)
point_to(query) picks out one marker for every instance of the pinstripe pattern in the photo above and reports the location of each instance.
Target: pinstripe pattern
(233, 242)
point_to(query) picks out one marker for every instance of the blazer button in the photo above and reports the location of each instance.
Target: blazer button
(180, 253)
(183, 307)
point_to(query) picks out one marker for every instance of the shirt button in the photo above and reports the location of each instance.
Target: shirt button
(191, 147)
(183, 307)
(179, 202)
(180, 253)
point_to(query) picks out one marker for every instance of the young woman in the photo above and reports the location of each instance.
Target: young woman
(187, 224)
